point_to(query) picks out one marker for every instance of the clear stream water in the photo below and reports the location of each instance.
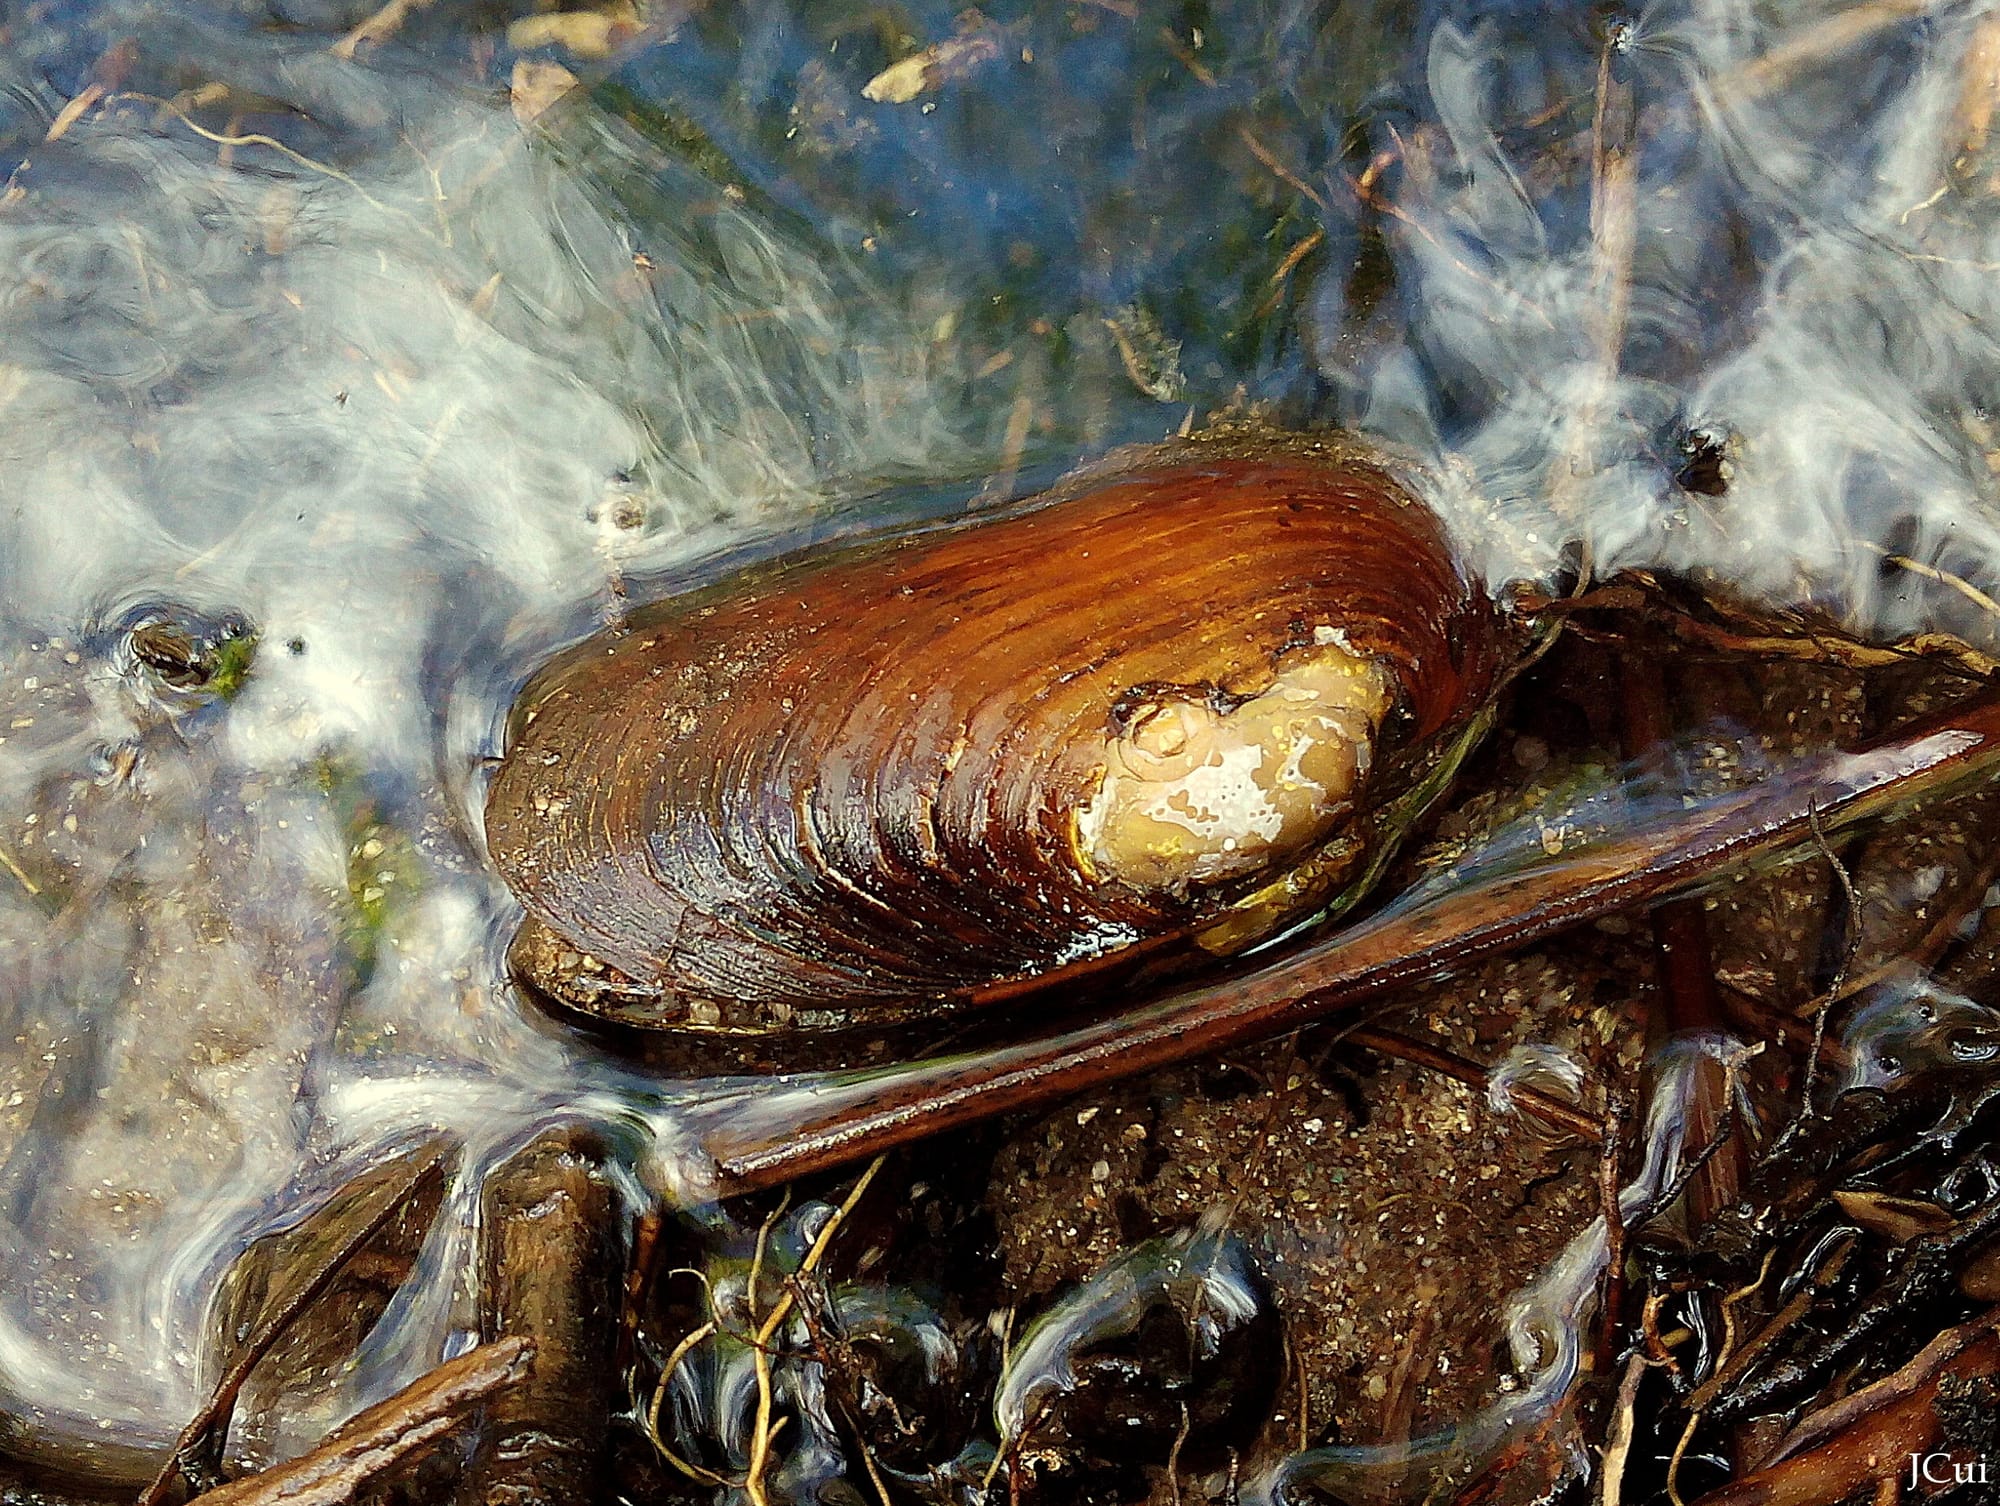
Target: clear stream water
(346, 352)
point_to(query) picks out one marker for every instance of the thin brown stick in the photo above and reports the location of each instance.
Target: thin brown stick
(1278, 169)
(1448, 1064)
(1610, 1186)
(831, 1364)
(1853, 897)
(1296, 255)
(1174, 1457)
(840, 1118)
(1293, 257)
(74, 111)
(1614, 186)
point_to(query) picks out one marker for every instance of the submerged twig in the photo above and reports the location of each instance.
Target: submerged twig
(7, 862)
(1614, 189)
(1278, 169)
(1450, 1064)
(356, 1454)
(379, 27)
(1937, 573)
(1816, 1427)
(359, 1213)
(1840, 973)
(1875, 1434)
(842, 1118)
(1817, 43)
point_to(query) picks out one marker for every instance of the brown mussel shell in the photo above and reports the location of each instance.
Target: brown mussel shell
(861, 786)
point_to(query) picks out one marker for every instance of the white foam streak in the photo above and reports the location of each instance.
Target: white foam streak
(1805, 278)
(418, 416)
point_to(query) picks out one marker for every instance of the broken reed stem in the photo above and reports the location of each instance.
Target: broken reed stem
(1618, 1443)
(840, 1118)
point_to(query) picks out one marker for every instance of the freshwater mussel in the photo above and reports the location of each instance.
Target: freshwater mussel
(1138, 720)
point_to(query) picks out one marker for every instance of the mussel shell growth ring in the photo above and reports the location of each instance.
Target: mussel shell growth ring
(859, 785)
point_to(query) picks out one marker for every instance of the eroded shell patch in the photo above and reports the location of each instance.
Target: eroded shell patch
(1193, 794)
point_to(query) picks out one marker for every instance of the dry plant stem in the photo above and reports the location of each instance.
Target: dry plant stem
(837, 1119)
(766, 1430)
(1736, 1362)
(1618, 1442)
(386, 1434)
(1174, 1458)
(387, 1190)
(1957, 583)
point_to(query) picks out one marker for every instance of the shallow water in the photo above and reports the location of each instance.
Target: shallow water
(351, 355)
